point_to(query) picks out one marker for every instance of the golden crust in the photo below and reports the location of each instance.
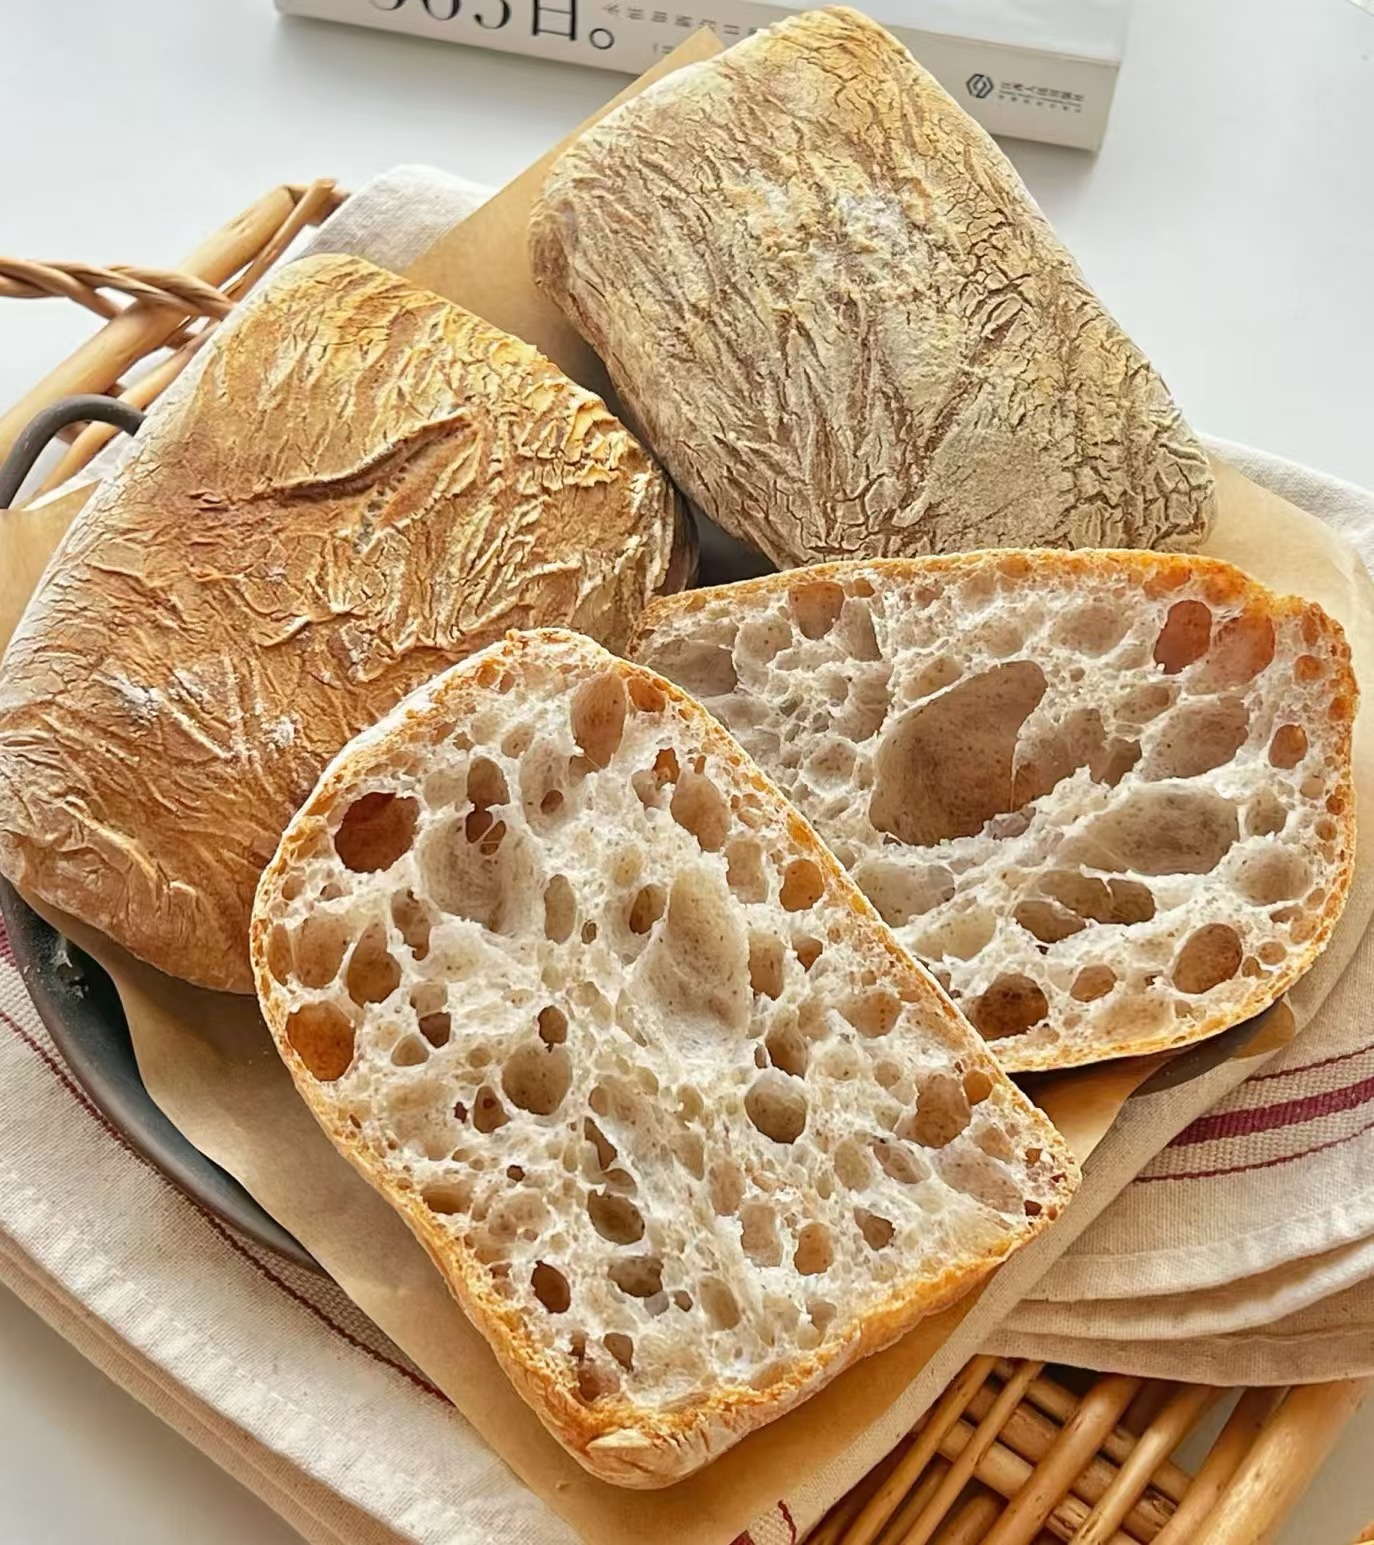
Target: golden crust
(1225, 584)
(363, 484)
(615, 1439)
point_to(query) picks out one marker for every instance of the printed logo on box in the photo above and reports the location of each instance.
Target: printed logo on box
(979, 85)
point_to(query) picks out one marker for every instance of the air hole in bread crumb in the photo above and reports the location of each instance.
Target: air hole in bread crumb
(814, 1252)
(648, 906)
(487, 784)
(1198, 737)
(726, 1187)
(412, 918)
(320, 943)
(944, 768)
(803, 885)
(744, 872)
(560, 909)
(372, 974)
(1047, 922)
(437, 1029)
(641, 1276)
(1144, 703)
(699, 807)
(1326, 830)
(598, 717)
(1100, 901)
(1093, 628)
(589, 932)
(1093, 982)
(703, 669)
(615, 1217)
(981, 1177)
(1288, 746)
(375, 831)
(485, 878)
(765, 964)
(888, 1074)
(1211, 956)
(851, 1165)
(877, 1230)
(899, 1162)
(874, 1013)
(776, 1106)
(553, 1025)
(1011, 1006)
(488, 1113)
(1265, 815)
(787, 1049)
(1278, 874)
(1163, 830)
(621, 1347)
(551, 1288)
(536, 1078)
(942, 1111)
(977, 1086)
(1307, 669)
(1243, 647)
(719, 1303)
(409, 1052)
(447, 1198)
(1032, 1208)
(321, 1035)
(759, 1234)
(816, 606)
(900, 891)
(1271, 952)
(995, 1141)
(292, 886)
(605, 1149)
(645, 695)
(551, 803)
(279, 953)
(1185, 636)
(807, 950)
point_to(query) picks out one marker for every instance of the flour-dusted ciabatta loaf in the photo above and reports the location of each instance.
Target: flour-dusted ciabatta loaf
(1105, 797)
(365, 484)
(586, 1000)
(838, 318)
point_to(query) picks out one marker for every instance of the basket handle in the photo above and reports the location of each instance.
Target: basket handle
(29, 444)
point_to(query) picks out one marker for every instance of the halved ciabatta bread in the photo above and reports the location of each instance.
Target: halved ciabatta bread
(1105, 797)
(582, 996)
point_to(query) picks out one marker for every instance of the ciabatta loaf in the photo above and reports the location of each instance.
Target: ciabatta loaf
(1106, 797)
(365, 484)
(838, 318)
(586, 1000)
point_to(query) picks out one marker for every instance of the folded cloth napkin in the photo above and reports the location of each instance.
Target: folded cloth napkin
(1264, 1205)
(272, 1371)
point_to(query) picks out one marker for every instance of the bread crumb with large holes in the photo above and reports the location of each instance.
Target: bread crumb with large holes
(570, 983)
(1105, 797)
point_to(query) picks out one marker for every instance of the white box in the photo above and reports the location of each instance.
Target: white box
(1035, 69)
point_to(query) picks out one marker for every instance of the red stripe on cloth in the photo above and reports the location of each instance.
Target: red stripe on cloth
(80, 1096)
(1241, 1169)
(1267, 1118)
(1308, 1067)
(743, 1539)
(6, 948)
(789, 1521)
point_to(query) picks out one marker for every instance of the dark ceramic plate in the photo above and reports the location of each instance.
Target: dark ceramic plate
(79, 1005)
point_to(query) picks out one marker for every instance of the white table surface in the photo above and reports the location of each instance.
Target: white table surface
(1228, 221)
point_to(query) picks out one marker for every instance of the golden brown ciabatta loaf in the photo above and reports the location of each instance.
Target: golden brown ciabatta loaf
(588, 1002)
(364, 484)
(1105, 797)
(838, 318)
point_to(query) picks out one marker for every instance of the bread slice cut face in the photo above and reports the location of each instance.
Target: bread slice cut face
(1105, 797)
(578, 992)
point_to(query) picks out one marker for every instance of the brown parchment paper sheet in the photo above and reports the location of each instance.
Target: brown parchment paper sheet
(209, 1063)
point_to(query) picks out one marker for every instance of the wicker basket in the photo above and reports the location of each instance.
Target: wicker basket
(1013, 1453)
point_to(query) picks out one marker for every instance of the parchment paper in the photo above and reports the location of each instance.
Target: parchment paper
(209, 1063)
